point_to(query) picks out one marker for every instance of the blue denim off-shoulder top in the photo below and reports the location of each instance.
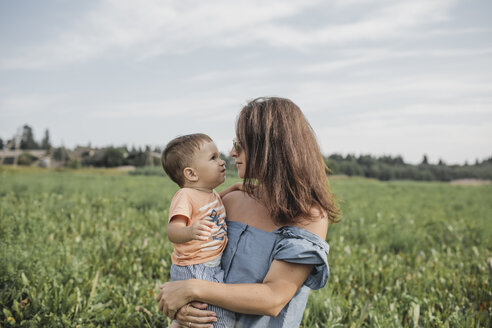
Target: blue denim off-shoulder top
(248, 256)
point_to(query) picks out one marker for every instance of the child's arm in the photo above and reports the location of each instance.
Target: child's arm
(178, 232)
(236, 186)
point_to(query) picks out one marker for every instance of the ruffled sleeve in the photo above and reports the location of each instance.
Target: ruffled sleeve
(297, 245)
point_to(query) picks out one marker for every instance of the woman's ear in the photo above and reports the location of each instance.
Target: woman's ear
(190, 174)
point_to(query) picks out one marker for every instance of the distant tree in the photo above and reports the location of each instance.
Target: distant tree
(399, 160)
(136, 157)
(386, 173)
(441, 162)
(113, 157)
(1, 144)
(74, 164)
(351, 168)
(336, 157)
(333, 167)
(27, 139)
(25, 159)
(372, 171)
(45, 143)
(350, 158)
(366, 160)
(61, 154)
(391, 161)
(424, 160)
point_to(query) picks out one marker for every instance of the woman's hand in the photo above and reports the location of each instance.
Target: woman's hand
(194, 315)
(174, 295)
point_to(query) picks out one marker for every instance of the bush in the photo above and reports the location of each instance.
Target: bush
(74, 164)
(113, 157)
(25, 159)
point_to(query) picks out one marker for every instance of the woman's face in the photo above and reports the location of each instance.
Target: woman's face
(238, 153)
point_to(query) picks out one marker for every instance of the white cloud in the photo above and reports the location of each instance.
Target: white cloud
(149, 28)
(192, 108)
(357, 57)
(28, 103)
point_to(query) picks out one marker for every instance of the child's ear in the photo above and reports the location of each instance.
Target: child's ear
(190, 174)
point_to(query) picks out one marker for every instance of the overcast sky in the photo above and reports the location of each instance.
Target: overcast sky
(381, 77)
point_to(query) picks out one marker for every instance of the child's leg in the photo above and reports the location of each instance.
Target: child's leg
(225, 319)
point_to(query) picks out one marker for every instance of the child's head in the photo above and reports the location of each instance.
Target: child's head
(193, 160)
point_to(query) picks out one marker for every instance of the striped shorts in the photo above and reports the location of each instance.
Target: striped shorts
(225, 318)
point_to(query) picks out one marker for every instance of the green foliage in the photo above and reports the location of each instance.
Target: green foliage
(25, 159)
(113, 157)
(394, 168)
(74, 164)
(139, 158)
(27, 138)
(46, 143)
(61, 154)
(82, 248)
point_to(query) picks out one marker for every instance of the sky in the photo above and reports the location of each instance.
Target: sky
(380, 77)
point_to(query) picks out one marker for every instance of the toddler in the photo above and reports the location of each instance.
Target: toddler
(197, 226)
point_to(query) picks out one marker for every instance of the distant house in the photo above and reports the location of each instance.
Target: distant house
(80, 152)
(9, 157)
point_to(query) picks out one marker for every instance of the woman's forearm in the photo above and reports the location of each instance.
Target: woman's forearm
(268, 298)
(261, 299)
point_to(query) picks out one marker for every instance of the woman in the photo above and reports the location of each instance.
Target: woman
(277, 227)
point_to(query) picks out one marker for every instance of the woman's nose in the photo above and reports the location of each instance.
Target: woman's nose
(233, 153)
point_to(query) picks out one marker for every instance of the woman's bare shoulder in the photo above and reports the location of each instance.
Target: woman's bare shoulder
(317, 224)
(233, 197)
(244, 208)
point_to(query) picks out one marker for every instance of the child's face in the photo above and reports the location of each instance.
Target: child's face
(208, 166)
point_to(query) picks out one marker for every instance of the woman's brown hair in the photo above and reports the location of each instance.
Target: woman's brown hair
(283, 156)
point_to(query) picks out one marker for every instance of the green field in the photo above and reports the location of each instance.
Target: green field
(88, 248)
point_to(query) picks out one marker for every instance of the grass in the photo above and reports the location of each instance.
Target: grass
(87, 248)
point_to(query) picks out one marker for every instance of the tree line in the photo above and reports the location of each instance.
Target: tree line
(25, 140)
(394, 168)
(382, 168)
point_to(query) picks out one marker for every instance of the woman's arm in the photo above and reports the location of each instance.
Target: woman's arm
(268, 298)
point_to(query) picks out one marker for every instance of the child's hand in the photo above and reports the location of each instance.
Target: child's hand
(237, 186)
(234, 187)
(201, 230)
